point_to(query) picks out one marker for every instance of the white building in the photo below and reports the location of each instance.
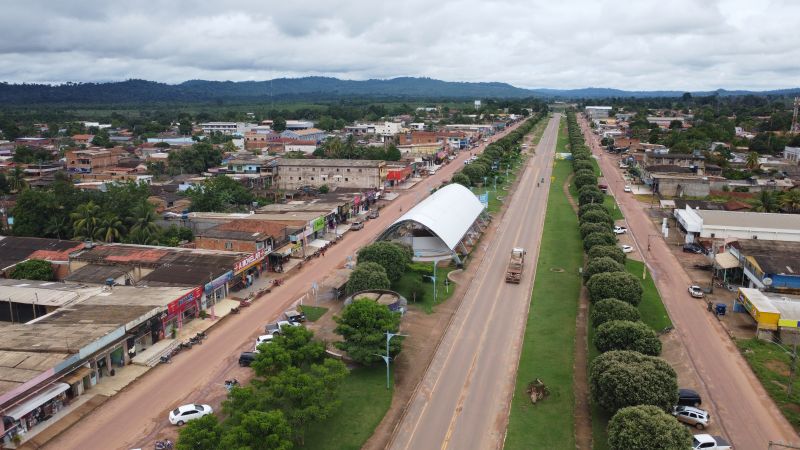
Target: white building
(417, 126)
(299, 124)
(229, 128)
(792, 154)
(597, 112)
(733, 225)
(388, 128)
(477, 104)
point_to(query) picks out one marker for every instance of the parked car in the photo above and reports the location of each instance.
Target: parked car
(357, 225)
(185, 413)
(690, 415)
(246, 358)
(627, 188)
(620, 230)
(373, 214)
(277, 327)
(688, 397)
(693, 248)
(263, 339)
(709, 442)
(295, 315)
(626, 248)
(696, 292)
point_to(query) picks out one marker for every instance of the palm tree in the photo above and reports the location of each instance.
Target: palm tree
(16, 180)
(85, 220)
(111, 228)
(56, 226)
(766, 202)
(143, 225)
(752, 161)
(790, 200)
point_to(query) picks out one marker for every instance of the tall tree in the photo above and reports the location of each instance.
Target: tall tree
(752, 161)
(259, 430)
(766, 202)
(143, 222)
(16, 180)
(86, 220)
(111, 228)
(362, 325)
(790, 200)
(200, 434)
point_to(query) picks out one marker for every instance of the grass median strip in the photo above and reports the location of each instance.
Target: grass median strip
(549, 341)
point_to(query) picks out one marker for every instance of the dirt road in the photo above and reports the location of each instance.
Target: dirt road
(137, 416)
(730, 390)
(463, 401)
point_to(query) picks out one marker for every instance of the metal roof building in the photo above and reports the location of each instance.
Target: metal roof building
(437, 225)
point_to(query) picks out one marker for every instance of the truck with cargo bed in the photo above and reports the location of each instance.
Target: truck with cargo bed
(515, 265)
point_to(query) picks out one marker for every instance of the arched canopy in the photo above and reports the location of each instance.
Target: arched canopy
(448, 213)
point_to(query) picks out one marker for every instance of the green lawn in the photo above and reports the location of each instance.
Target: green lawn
(612, 208)
(771, 365)
(549, 341)
(313, 313)
(365, 401)
(443, 291)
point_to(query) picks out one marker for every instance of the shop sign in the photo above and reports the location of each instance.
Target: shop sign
(243, 264)
(319, 223)
(219, 281)
(182, 303)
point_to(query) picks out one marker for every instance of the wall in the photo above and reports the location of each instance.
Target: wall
(293, 177)
(219, 244)
(690, 188)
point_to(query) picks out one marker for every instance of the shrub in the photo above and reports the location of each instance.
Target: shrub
(590, 194)
(621, 285)
(589, 227)
(33, 269)
(613, 309)
(582, 164)
(646, 426)
(623, 378)
(596, 216)
(584, 179)
(598, 238)
(603, 264)
(461, 179)
(610, 251)
(627, 335)
(591, 207)
(393, 258)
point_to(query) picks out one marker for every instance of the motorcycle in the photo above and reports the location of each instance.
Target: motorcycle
(195, 341)
(186, 345)
(201, 335)
(277, 282)
(164, 445)
(166, 359)
(235, 310)
(230, 384)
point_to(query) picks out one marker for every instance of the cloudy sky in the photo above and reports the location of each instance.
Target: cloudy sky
(642, 44)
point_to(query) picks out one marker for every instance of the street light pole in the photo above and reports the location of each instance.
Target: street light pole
(387, 358)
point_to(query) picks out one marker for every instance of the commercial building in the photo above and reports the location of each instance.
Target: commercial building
(335, 173)
(597, 112)
(86, 335)
(768, 264)
(735, 225)
(792, 154)
(774, 313)
(87, 161)
(227, 128)
(308, 134)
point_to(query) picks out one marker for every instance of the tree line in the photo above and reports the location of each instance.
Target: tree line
(628, 380)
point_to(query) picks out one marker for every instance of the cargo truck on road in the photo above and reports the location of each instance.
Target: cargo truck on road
(515, 265)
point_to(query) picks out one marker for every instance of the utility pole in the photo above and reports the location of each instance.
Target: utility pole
(387, 358)
(795, 126)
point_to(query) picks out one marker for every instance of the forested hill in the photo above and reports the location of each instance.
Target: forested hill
(308, 88)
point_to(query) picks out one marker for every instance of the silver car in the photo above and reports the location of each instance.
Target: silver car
(689, 415)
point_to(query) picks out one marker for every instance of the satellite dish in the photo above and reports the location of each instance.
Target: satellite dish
(767, 281)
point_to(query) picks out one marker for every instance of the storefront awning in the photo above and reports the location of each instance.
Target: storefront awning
(319, 243)
(77, 375)
(726, 260)
(284, 251)
(36, 401)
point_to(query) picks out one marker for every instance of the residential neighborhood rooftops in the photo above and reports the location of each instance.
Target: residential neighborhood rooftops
(15, 249)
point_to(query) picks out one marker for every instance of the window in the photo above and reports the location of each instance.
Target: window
(229, 246)
(347, 179)
(712, 235)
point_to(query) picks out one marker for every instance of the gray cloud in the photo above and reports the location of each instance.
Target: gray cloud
(647, 44)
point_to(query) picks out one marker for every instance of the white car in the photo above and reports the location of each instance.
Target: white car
(263, 339)
(626, 248)
(620, 230)
(185, 413)
(696, 292)
(689, 415)
(627, 188)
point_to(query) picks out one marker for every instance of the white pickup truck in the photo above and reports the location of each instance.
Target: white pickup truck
(709, 442)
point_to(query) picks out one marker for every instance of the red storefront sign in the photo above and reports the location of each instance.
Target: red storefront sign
(243, 264)
(187, 301)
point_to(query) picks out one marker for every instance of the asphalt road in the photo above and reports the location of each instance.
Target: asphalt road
(137, 416)
(463, 400)
(731, 392)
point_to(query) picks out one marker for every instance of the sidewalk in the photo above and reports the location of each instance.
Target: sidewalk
(64, 419)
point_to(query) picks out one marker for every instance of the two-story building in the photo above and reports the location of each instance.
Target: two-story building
(345, 173)
(307, 134)
(768, 264)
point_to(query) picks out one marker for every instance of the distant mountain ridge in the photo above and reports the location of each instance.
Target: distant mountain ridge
(306, 88)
